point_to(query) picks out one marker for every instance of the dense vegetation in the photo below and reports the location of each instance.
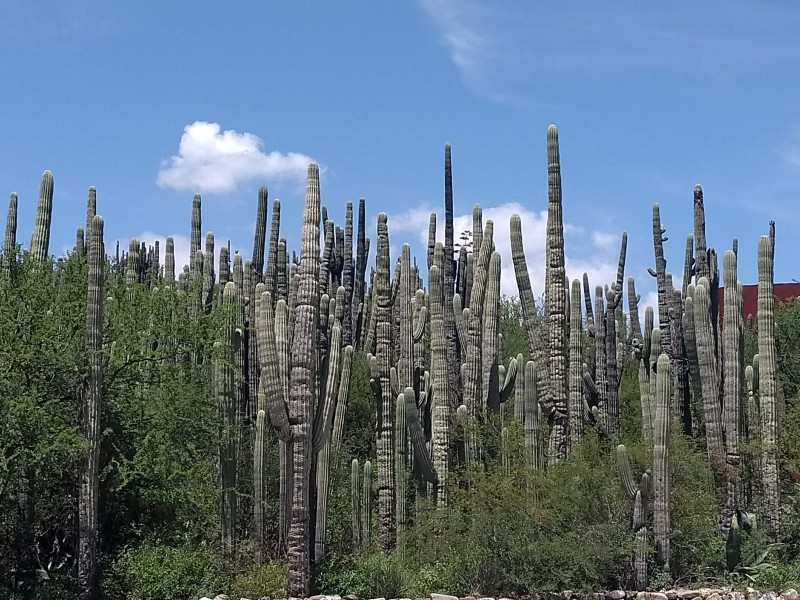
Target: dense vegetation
(473, 479)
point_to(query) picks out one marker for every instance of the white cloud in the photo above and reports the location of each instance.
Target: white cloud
(601, 265)
(210, 160)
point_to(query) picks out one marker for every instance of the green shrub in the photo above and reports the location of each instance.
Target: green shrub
(566, 529)
(164, 573)
(266, 580)
(363, 575)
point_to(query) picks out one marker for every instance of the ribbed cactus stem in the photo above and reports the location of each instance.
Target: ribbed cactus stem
(441, 402)
(431, 238)
(556, 303)
(169, 261)
(767, 386)
(302, 391)
(10, 243)
(400, 445)
(91, 211)
(733, 363)
(660, 273)
(88, 500)
(40, 239)
(701, 267)
(196, 225)
(422, 457)
(258, 483)
(575, 406)
(341, 406)
(661, 480)
(490, 336)
(355, 503)
(708, 364)
(78, 248)
(639, 495)
(260, 235)
(227, 345)
(533, 323)
(534, 444)
(366, 506)
(384, 433)
(132, 267)
(464, 438)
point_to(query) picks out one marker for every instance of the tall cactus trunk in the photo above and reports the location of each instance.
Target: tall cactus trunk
(10, 242)
(302, 391)
(556, 304)
(452, 346)
(767, 367)
(90, 419)
(661, 480)
(40, 240)
(384, 433)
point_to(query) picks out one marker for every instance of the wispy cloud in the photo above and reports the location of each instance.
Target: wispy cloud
(500, 49)
(211, 160)
(467, 47)
(26, 21)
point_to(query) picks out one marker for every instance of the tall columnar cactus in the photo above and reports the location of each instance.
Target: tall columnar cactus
(274, 257)
(732, 378)
(359, 306)
(556, 304)
(385, 400)
(527, 396)
(366, 506)
(453, 352)
(639, 495)
(260, 235)
(227, 345)
(575, 406)
(40, 239)
(169, 261)
(355, 503)
(91, 211)
(301, 392)
(401, 472)
(196, 226)
(90, 417)
(441, 403)
(258, 481)
(533, 324)
(661, 479)
(660, 274)
(10, 243)
(767, 369)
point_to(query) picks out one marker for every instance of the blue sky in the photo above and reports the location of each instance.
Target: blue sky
(151, 102)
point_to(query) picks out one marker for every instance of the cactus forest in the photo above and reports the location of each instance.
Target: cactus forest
(334, 419)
